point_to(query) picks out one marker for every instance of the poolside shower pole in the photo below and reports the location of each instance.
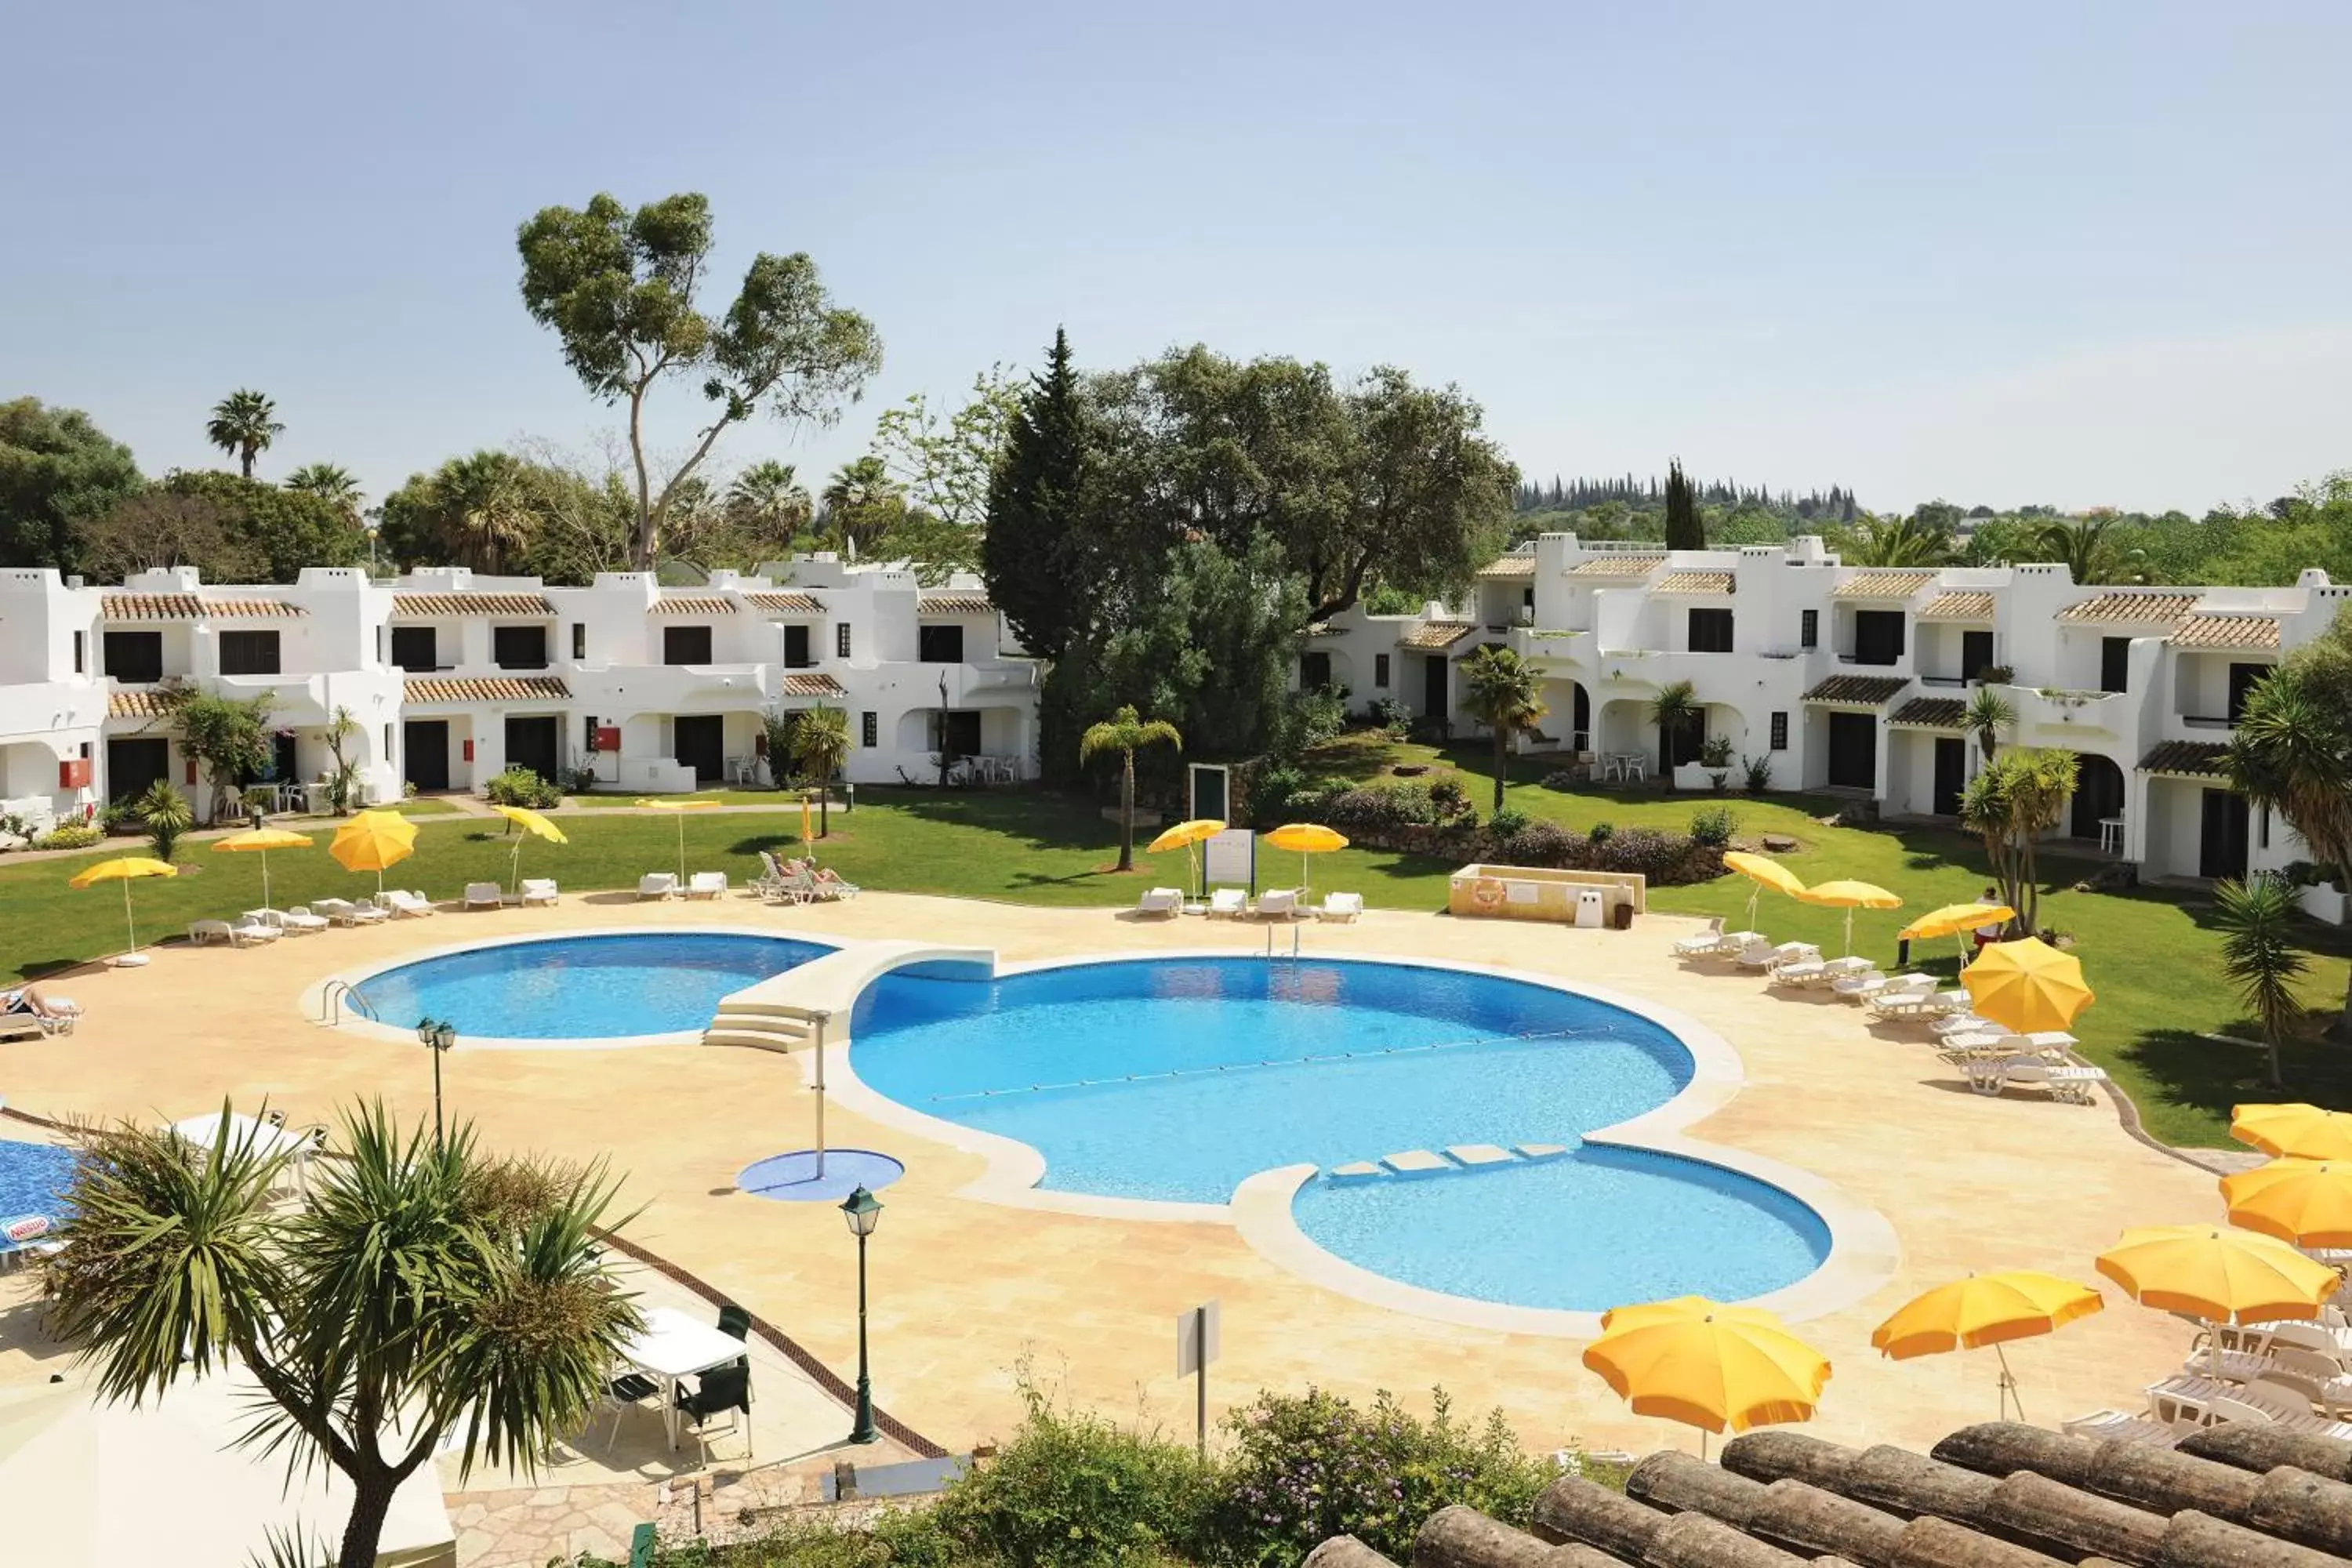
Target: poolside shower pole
(819, 1019)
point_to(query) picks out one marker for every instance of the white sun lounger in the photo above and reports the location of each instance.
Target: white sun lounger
(343, 912)
(1341, 906)
(408, 903)
(1806, 973)
(1166, 901)
(705, 884)
(1278, 904)
(244, 933)
(2071, 1084)
(1705, 944)
(539, 890)
(658, 885)
(1229, 901)
(2123, 1428)
(484, 896)
(298, 919)
(1907, 1002)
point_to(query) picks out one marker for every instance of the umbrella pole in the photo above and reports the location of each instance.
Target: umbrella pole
(130, 926)
(2007, 1387)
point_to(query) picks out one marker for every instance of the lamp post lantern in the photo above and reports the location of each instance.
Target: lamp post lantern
(864, 1212)
(437, 1036)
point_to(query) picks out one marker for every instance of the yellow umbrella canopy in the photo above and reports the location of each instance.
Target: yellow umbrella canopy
(533, 826)
(679, 806)
(1184, 835)
(1848, 896)
(372, 841)
(1765, 872)
(2297, 1132)
(1985, 1309)
(125, 870)
(2026, 985)
(261, 841)
(1707, 1365)
(2306, 1202)
(2222, 1275)
(1306, 838)
(1955, 920)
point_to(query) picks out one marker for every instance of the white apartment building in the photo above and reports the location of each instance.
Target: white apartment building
(1855, 678)
(451, 678)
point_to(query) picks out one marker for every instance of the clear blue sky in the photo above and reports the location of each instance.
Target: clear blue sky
(2067, 252)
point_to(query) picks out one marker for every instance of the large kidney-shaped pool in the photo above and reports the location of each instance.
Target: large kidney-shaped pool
(582, 987)
(1175, 1078)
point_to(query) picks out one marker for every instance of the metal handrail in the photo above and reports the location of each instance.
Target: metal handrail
(331, 1002)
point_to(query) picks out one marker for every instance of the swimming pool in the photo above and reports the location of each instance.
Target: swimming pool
(1176, 1079)
(33, 1177)
(582, 987)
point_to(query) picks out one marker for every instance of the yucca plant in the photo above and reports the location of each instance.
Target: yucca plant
(1673, 711)
(1989, 713)
(166, 815)
(2259, 957)
(821, 744)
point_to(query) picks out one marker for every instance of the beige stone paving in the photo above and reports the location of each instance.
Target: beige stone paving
(965, 1291)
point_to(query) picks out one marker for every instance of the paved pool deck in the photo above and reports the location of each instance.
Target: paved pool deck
(969, 1295)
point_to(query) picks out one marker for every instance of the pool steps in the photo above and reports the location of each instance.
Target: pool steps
(1457, 1158)
(771, 1015)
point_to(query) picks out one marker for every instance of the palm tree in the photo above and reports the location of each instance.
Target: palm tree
(2258, 956)
(329, 482)
(1126, 734)
(483, 510)
(1988, 714)
(2079, 542)
(821, 744)
(861, 501)
(1903, 541)
(2009, 806)
(1501, 690)
(421, 1289)
(769, 499)
(1673, 711)
(243, 422)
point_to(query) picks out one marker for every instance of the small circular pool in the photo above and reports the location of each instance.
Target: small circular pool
(582, 987)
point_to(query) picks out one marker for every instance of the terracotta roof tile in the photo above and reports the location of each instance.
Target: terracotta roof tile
(1693, 583)
(1325, 629)
(693, 604)
(194, 607)
(1627, 566)
(2133, 609)
(1883, 584)
(405, 605)
(953, 603)
(1931, 713)
(782, 602)
(1432, 636)
(813, 685)
(486, 688)
(134, 705)
(2191, 759)
(1509, 566)
(2228, 631)
(1968, 606)
(1873, 690)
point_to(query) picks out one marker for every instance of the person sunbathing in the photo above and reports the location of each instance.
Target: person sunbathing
(29, 1000)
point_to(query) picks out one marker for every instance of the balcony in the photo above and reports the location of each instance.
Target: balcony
(628, 689)
(969, 683)
(2047, 716)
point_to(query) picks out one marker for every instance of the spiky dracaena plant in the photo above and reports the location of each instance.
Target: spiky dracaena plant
(2259, 957)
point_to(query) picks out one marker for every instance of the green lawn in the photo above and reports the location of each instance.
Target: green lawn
(2152, 955)
(780, 799)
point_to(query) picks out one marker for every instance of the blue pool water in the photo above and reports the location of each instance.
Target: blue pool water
(1176, 1079)
(33, 1176)
(582, 987)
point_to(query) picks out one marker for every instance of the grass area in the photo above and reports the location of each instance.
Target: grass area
(2153, 954)
(780, 799)
(425, 805)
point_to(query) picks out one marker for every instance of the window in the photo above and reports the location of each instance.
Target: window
(415, 650)
(961, 733)
(841, 640)
(2114, 663)
(580, 639)
(869, 729)
(1976, 653)
(519, 647)
(1710, 631)
(1381, 671)
(2262, 826)
(1809, 629)
(249, 653)
(2243, 679)
(1877, 637)
(387, 742)
(939, 644)
(796, 648)
(1780, 729)
(1314, 671)
(135, 656)
(81, 651)
(685, 645)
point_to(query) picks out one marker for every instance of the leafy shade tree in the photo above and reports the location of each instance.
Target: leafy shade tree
(2291, 752)
(420, 1292)
(1033, 551)
(1684, 529)
(228, 739)
(242, 425)
(2009, 805)
(287, 530)
(479, 511)
(1500, 689)
(328, 481)
(862, 505)
(768, 502)
(944, 466)
(821, 747)
(59, 473)
(1126, 733)
(1987, 715)
(1676, 711)
(1922, 539)
(2259, 957)
(163, 811)
(159, 528)
(620, 289)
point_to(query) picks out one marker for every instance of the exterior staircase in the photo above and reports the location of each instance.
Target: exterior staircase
(764, 1025)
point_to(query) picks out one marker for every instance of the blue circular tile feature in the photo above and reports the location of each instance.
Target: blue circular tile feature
(793, 1178)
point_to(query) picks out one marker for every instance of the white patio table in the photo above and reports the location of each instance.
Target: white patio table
(204, 1131)
(672, 1346)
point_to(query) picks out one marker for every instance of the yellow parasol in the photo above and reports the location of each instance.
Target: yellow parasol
(1707, 1365)
(2296, 1131)
(1848, 896)
(125, 870)
(2223, 1276)
(1306, 838)
(1765, 873)
(1184, 835)
(1955, 920)
(372, 841)
(2306, 1202)
(806, 836)
(261, 841)
(1985, 1309)
(680, 806)
(533, 826)
(2026, 985)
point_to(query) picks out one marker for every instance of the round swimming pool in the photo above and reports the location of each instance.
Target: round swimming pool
(582, 987)
(1176, 1079)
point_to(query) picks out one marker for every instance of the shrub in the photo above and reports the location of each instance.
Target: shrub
(1714, 825)
(1275, 792)
(1540, 844)
(1715, 753)
(1388, 713)
(1759, 772)
(114, 817)
(166, 814)
(1508, 822)
(1316, 716)
(1563, 778)
(583, 779)
(1641, 849)
(1451, 800)
(1383, 805)
(520, 786)
(72, 836)
(1599, 833)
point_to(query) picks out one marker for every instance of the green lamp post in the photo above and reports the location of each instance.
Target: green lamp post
(864, 1212)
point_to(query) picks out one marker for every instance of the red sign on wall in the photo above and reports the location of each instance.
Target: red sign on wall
(73, 773)
(192, 774)
(608, 738)
(469, 751)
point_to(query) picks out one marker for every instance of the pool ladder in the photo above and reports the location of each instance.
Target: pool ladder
(1270, 954)
(332, 1002)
